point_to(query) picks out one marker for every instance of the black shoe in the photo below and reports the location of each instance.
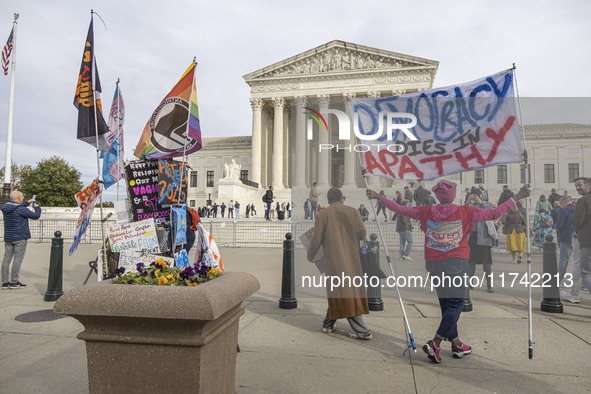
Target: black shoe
(6, 286)
(17, 285)
(490, 290)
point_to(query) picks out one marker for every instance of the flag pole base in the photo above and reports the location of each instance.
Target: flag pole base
(6, 189)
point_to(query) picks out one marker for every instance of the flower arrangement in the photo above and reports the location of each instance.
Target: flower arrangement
(159, 273)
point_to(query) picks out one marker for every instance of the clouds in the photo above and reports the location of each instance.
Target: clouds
(149, 44)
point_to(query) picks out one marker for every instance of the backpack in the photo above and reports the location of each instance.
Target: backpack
(265, 197)
(194, 217)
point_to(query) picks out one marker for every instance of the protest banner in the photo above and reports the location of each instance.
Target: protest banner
(172, 182)
(142, 191)
(179, 224)
(86, 199)
(437, 132)
(138, 236)
(129, 259)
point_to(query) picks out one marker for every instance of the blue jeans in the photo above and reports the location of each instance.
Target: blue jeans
(451, 297)
(267, 210)
(405, 238)
(566, 249)
(313, 210)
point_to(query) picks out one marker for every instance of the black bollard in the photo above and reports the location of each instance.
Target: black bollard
(551, 302)
(56, 262)
(468, 303)
(374, 293)
(288, 300)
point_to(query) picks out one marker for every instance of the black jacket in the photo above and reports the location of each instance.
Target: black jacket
(269, 196)
(505, 196)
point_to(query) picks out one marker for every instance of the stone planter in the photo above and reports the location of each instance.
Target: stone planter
(159, 338)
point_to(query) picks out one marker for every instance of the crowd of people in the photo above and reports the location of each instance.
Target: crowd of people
(233, 210)
(458, 238)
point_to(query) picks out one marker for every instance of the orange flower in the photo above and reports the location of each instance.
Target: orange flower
(192, 284)
(162, 280)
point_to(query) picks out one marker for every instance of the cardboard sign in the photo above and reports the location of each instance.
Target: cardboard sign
(181, 259)
(129, 259)
(134, 236)
(142, 190)
(179, 225)
(172, 182)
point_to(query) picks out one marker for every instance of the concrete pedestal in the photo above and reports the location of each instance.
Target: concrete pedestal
(159, 338)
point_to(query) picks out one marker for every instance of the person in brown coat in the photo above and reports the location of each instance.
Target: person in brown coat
(338, 229)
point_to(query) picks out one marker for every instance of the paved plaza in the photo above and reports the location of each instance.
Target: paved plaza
(286, 351)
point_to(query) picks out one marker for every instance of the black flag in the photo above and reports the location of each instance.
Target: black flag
(83, 99)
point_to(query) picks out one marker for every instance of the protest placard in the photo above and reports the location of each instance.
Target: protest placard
(138, 236)
(142, 190)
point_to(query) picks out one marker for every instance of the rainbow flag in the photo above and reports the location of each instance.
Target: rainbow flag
(174, 126)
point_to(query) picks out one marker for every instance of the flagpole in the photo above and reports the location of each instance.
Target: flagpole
(184, 167)
(118, 137)
(7, 187)
(98, 167)
(527, 227)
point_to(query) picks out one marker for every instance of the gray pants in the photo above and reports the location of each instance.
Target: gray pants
(17, 250)
(356, 322)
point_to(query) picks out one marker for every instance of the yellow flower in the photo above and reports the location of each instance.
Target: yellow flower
(161, 263)
(192, 284)
(162, 280)
(171, 277)
(156, 272)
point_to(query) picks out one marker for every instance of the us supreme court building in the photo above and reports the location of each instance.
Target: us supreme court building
(279, 152)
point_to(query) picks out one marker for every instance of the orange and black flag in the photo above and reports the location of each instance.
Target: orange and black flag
(84, 100)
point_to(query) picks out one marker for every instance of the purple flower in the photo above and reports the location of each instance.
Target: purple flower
(140, 266)
(120, 271)
(130, 281)
(143, 273)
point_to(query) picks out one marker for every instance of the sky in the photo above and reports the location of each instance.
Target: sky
(147, 45)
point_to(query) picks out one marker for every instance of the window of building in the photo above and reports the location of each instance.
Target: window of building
(502, 174)
(479, 176)
(573, 171)
(209, 178)
(192, 203)
(548, 173)
(244, 174)
(193, 178)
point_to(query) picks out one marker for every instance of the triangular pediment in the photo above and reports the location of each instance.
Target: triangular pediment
(338, 57)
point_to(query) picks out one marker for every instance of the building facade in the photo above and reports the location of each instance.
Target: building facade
(280, 152)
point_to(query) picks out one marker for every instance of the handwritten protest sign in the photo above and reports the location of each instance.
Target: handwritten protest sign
(134, 236)
(181, 259)
(458, 128)
(142, 191)
(172, 182)
(129, 259)
(179, 224)
(86, 199)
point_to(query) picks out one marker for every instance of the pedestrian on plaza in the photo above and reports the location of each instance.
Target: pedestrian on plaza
(223, 209)
(514, 227)
(338, 230)
(16, 215)
(430, 200)
(467, 191)
(209, 210)
(237, 207)
(505, 195)
(247, 210)
(404, 230)
(481, 240)
(565, 229)
(483, 193)
(542, 227)
(231, 209)
(446, 227)
(583, 186)
(382, 208)
(408, 196)
(215, 210)
(313, 197)
(252, 210)
(420, 195)
(398, 200)
(556, 210)
(288, 207)
(364, 213)
(582, 221)
(268, 200)
(307, 208)
(543, 204)
(272, 211)
(553, 197)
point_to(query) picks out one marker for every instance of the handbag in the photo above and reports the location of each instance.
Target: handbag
(545, 223)
(369, 262)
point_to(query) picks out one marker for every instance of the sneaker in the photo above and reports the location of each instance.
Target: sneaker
(519, 260)
(403, 258)
(6, 286)
(460, 351)
(432, 351)
(328, 330)
(355, 336)
(567, 296)
(17, 285)
(408, 258)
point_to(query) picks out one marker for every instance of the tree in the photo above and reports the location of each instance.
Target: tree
(54, 182)
(16, 172)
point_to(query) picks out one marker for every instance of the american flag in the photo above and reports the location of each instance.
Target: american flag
(6, 53)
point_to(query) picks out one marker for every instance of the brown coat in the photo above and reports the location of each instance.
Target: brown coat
(338, 229)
